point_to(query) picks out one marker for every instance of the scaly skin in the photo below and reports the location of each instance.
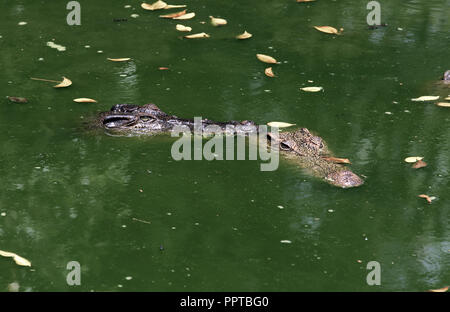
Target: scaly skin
(301, 145)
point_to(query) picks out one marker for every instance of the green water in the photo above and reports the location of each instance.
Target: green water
(72, 195)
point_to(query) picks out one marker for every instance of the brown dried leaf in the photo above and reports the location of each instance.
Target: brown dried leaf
(84, 100)
(185, 16)
(419, 164)
(329, 30)
(17, 99)
(443, 289)
(338, 160)
(428, 198)
(63, 84)
(266, 59)
(305, 0)
(123, 59)
(199, 35)
(158, 5)
(163, 68)
(172, 15)
(244, 35)
(269, 73)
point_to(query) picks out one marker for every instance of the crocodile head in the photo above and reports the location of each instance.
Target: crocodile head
(134, 119)
(310, 150)
(302, 142)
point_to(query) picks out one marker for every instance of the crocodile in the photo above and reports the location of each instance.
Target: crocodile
(308, 150)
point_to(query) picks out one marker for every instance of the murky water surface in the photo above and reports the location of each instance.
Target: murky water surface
(137, 220)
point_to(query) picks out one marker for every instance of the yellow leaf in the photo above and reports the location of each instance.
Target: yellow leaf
(329, 30)
(218, 21)
(170, 6)
(244, 35)
(124, 59)
(180, 27)
(266, 59)
(200, 35)
(185, 16)
(413, 159)
(84, 100)
(426, 98)
(269, 72)
(158, 5)
(444, 289)
(18, 259)
(65, 83)
(279, 124)
(312, 89)
(443, 104)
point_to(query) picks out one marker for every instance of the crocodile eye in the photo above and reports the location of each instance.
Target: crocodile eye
(145, 118)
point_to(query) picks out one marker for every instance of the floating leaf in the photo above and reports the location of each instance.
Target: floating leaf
(426, 98)
(413, 159)
(329, 30)
(217, 21)
(279, 124)
(428, 198)
(269, 73)
(419, 164)
(185, 16)
(200, 35)
(180, 27)
(173, 15)
(447, 98)
(63, 84)
(175, 6)
(244, 35)
(266, 59)
(338, 160)
(443, 104)
(123, 59)
(17, 99)
(84, 100)
(163, 68)
(443, 289)
(158, 5)
(285, 241)
(305, 0)
(312, 89)
(18, 259)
